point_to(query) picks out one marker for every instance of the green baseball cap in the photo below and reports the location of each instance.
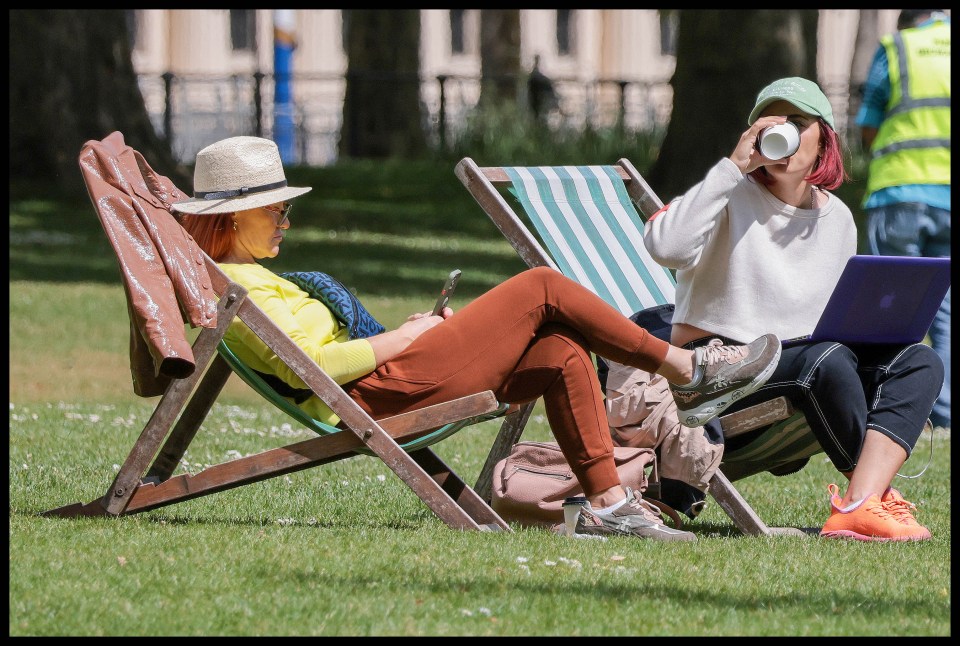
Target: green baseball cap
(802, 93)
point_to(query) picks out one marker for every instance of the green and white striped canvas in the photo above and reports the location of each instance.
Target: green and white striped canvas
(590, 227)
(787, 441)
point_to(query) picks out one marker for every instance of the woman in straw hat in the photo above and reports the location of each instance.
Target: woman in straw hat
(529, 337)
(760, 244)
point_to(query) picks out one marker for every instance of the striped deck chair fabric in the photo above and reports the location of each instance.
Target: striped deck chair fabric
(585, 218)
(594, 234)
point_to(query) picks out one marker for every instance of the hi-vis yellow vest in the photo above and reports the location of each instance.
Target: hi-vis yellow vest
(913, 142)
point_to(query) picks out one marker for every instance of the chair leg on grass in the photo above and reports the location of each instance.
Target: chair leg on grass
(509, 434)
(741, 513)
(467, 498)
(171, 404)
(189, 423)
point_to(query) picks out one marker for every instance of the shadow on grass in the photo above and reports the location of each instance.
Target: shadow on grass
(604, 590)
(170, 517)
(382, 229)
(406, 524)
(165, 517)
(383, 269)
(728, 530)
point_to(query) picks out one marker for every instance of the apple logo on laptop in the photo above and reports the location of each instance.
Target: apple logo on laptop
(887, 301)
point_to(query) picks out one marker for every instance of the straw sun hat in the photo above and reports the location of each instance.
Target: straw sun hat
(236, 174)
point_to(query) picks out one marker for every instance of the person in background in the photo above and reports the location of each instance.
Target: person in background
(529, 337)
(761, 243)
(905, 124)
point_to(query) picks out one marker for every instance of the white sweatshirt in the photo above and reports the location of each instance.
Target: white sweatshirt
(748, 264)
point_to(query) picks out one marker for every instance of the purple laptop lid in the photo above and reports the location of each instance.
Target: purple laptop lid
(884, 299)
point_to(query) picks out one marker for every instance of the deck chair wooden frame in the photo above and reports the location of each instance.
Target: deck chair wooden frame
(484, 185)
(145, 480)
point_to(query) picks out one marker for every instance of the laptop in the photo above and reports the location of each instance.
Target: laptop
(882, 299)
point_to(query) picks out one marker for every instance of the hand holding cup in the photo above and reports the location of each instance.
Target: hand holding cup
(779, 141)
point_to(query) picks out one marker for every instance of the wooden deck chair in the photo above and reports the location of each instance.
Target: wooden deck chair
(581, 220)
(402, 441)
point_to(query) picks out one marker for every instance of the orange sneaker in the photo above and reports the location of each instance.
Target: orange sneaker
(874, 519)
(902, 508)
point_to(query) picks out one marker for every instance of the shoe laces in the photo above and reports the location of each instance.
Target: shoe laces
(641, 507)
(715, 351)
(901, 510)
(883, 511)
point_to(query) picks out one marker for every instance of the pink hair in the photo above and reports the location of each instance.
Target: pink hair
(828, 171)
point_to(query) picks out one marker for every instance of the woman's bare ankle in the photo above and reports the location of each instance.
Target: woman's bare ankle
(678, 366)
(607, 497)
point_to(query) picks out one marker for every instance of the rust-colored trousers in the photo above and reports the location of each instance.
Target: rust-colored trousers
(529, 337)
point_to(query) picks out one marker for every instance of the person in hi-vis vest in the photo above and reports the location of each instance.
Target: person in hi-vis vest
(905, 124)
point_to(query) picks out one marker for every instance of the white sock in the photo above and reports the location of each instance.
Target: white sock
(852, 506)
(615, 506)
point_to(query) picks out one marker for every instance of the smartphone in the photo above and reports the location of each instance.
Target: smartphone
(447, 292)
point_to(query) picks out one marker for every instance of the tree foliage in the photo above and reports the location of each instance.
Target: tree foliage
(72, 80)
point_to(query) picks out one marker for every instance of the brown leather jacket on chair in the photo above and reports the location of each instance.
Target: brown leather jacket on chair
(165, 287)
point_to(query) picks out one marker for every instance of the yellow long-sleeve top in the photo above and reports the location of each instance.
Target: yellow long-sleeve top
(307, 321)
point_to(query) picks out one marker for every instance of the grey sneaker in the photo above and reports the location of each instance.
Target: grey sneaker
(636, 517)
(724, 374)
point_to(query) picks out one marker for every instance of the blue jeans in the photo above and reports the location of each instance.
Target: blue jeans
(916, 229)
(845, 389)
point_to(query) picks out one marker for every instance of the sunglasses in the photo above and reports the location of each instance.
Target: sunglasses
(283, 212)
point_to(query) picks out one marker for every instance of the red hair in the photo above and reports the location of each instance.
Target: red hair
(828, 171)
(214, 233)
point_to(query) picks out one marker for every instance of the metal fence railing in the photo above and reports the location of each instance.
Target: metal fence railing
(197, 110)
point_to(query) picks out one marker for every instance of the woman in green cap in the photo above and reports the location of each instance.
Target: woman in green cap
(760, 244)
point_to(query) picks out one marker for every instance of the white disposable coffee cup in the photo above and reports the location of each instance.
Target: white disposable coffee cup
(571, 513)
(779, 141)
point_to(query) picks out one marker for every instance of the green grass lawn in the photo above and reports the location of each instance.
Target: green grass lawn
(347, 549)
